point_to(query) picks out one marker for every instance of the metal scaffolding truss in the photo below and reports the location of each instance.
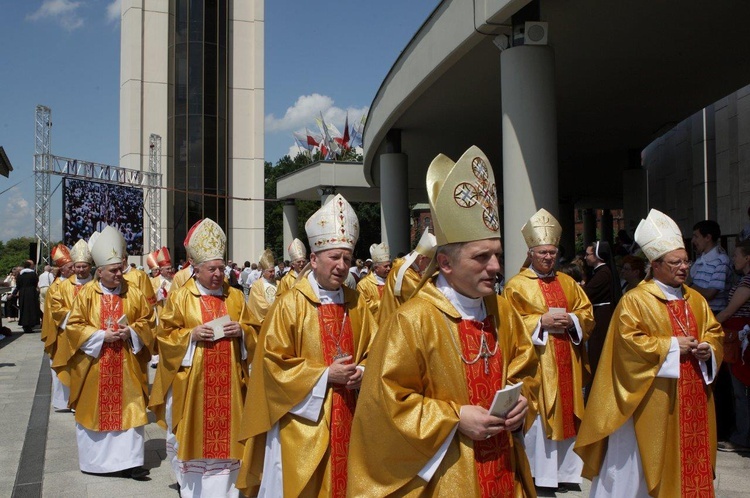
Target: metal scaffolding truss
(152, 194)
(45, 165)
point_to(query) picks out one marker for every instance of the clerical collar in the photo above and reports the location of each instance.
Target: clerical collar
(671, 293)
(599, 266)
(380, 280)
(470, 308)
(115, 291)
(542, 275)
(325, 296)
(127, 269)
(26, 270)
(208, 292)
(83, 281)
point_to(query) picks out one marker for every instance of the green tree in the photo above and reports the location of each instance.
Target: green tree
(13, 253)
(368, 213)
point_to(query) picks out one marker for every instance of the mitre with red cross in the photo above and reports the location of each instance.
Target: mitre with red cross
(206, 241)
(333, 226)
(463, 198)
(61, 255)
(542, 229)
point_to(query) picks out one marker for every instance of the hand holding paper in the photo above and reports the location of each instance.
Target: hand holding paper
(217, 325)
(505, 399)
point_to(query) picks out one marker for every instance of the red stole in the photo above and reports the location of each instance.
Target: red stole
(336, 338)
(492, 457)
(560, 344)
(110, 366)
(696, 474)
(217, 385)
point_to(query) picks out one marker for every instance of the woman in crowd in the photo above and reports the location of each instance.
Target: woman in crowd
(632, 272)
(734, 318)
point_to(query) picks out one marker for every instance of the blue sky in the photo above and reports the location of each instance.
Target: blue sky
(327, 56)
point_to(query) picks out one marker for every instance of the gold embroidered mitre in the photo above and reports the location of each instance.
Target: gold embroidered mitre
(206, 241)
(297, 250)
(267, 261)
(463, 198)
(61, 255)
(108, 247)
(380, 253)
(81, 253)
(333, 226)
(658, 234)
(163, 259)
(542, 229)
(151, 260)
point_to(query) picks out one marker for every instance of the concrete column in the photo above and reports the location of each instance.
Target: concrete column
(290, 225)
(607, 230)
(529, 143)
(326, 194)
(394, 202)
(589, 226)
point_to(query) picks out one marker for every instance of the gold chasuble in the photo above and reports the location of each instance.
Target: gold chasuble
(563, 365)
(372, 293)
(674, 421)
(49, 326)
(300, 337)
(60, 303)
(286, 282)
(415, 384)
(181, 277)
(389, 301)
(109, 393)
(138, 278)
(207, 396)
(261, 297)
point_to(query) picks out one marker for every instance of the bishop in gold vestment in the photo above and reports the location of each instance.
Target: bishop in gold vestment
(307, 367)
(558, 318)
(424, 425)
(650, 426)
(200, 382)
(108, 386)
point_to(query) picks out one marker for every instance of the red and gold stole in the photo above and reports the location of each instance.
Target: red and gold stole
(337, 338)
(492, 457)
(217, 385)
(696, 474)
(555, 298)
(110, 366)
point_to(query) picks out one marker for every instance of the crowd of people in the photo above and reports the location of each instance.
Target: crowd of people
(326, 375)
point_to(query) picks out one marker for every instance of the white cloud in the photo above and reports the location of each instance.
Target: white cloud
(113, 11)
(65, 12)
(17, 215)
(307, 109)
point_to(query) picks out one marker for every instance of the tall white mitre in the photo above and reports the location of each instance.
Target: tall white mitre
(658, 234)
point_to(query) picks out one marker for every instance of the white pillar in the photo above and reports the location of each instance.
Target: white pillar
(394, 202)
(290, 225)
(529, 143)
(326, 194)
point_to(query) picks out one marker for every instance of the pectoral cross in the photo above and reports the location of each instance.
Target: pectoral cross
(484, 353)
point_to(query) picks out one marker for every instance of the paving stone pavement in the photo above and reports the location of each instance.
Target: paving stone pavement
(23, 366)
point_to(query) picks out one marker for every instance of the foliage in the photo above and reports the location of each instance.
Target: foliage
(368, 213)
(13, 253)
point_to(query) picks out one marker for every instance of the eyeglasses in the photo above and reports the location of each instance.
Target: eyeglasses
(677, 264)
(552, 253)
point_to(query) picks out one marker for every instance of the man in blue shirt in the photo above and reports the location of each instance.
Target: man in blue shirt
(712, 271)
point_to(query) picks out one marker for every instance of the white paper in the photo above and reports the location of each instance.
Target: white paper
(123, 321)
(505, 399)
(217, 324)
(557, 311)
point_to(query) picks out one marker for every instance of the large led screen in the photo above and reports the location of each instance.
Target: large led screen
(89, 206)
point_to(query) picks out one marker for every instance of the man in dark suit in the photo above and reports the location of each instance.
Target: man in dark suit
(28, 297)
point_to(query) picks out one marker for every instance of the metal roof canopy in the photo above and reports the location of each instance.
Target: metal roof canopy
(625, 72)
(5, 166)
(347, 178)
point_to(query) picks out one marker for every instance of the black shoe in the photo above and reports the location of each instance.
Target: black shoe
(137, 473)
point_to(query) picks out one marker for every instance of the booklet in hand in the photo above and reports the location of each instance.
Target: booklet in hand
(123, 321)
(505, 399)
(217, 324)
